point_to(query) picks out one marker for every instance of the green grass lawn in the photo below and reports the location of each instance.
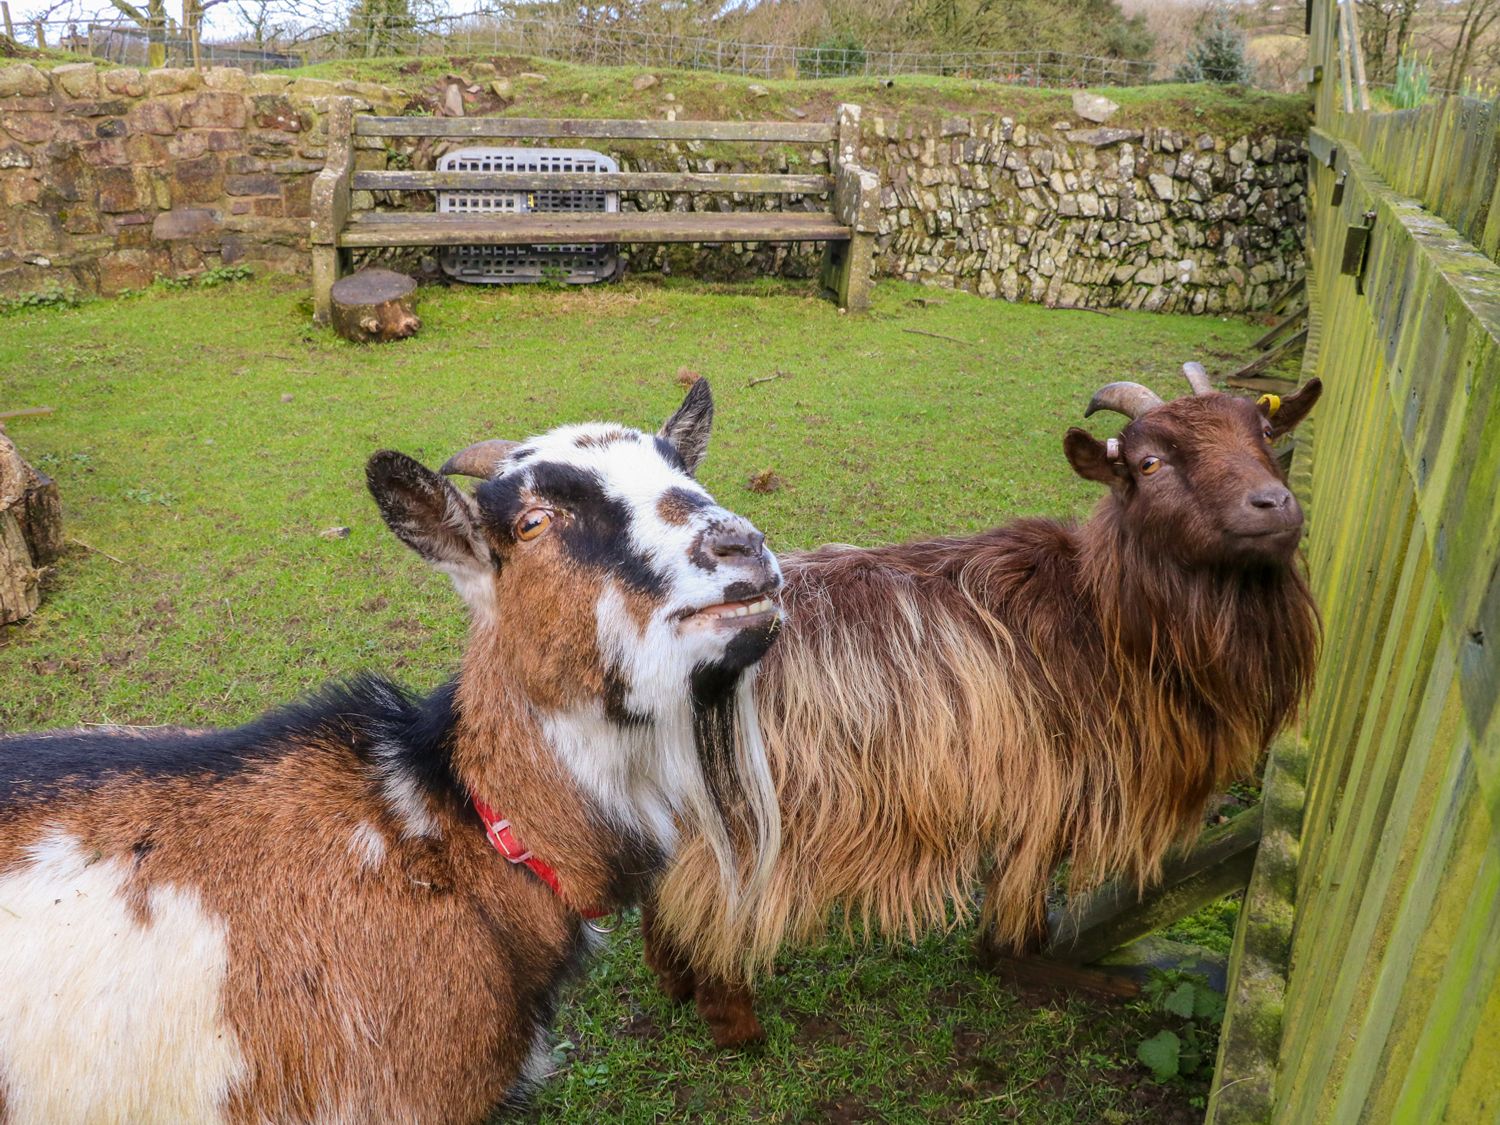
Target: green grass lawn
(203, 440)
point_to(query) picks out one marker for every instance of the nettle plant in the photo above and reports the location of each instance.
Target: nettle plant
(1195, 1011)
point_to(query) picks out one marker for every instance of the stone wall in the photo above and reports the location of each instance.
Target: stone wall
(1082, 214)
(112, 177)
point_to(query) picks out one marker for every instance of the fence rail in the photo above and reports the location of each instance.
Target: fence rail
(598, 44)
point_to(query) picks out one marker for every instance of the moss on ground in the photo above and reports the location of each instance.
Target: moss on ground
(203, 439)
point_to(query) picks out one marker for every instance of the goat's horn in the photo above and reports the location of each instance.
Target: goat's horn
(480, 460)
(1198, 378)
(1129, 399)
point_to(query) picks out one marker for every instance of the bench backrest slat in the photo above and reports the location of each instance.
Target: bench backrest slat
(800, 132)
(751, 183)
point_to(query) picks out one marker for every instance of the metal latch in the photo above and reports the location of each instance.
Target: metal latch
(1357, 249)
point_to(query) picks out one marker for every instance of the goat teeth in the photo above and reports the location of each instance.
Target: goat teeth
(762, 605)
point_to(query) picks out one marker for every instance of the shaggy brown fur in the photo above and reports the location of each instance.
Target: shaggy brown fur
(959, 710)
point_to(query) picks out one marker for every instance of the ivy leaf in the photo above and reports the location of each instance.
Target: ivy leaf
(1180, 1000)
(1160, 1054)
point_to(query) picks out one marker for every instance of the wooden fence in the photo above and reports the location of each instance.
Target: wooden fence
(1365, 980)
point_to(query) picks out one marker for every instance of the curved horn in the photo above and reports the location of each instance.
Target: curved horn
(1129, 399)
(480, 460)
(1198, 377)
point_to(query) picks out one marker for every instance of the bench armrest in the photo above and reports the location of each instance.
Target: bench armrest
(331, 187)
(856, 199)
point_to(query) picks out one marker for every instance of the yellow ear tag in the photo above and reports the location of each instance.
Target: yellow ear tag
(1272, 402)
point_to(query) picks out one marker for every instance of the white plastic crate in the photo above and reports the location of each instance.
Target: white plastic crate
(575, 264)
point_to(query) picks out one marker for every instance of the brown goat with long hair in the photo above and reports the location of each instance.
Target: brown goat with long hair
(983, 708)
(304, 919)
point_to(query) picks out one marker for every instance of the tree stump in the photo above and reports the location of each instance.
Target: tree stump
(375, 305)
(30, 532)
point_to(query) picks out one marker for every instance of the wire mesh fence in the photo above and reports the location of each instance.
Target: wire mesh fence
(595, 44)
(133, 46)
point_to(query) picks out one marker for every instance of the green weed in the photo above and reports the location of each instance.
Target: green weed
(48, 297)
(1195, 1012)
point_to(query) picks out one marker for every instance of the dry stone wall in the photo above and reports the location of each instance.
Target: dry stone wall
(110, 178)
(1081, 214)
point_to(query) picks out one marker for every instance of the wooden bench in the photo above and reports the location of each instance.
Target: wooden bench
(847, 228)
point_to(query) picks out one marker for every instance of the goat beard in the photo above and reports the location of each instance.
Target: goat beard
(735, 811)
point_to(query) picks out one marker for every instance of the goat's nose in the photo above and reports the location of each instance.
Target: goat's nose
(737, 543)
(1273, 497)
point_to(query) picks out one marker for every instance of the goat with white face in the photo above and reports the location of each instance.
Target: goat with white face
(303, 919)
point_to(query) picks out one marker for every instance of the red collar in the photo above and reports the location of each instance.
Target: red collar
(503, 836)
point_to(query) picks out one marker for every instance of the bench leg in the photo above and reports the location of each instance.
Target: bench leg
(846, 271)
(327, 266)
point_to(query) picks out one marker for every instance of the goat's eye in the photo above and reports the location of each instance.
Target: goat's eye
(532, 523)
(1150, 465)
(1266, 430)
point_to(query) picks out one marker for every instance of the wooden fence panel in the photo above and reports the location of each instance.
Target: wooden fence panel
(1389, 1004)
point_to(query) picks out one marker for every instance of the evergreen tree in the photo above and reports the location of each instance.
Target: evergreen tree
(1218, 56)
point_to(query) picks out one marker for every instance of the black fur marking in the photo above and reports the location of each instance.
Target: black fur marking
(634, 866)
(541, 982)
(616, 710)
(743, 591)
(699, 555)
(414, 734)
(713, 727)
(597, 532)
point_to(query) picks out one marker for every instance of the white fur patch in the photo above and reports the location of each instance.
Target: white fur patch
(616, 767)
(538, 1066)
(104, 1018)
(403, 796)
(368, 845)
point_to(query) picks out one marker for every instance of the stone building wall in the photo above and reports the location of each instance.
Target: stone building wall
(110, 178)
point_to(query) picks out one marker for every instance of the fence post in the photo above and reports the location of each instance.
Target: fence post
(41, 34)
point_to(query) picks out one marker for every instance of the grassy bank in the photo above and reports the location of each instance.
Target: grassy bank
(559, 89)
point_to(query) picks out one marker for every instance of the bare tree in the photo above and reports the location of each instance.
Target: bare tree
(1476, 17)
(1386, 28)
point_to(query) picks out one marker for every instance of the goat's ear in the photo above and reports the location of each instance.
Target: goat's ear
(1089, 456)
(687, 430)
(435, 520)
(1289, 411)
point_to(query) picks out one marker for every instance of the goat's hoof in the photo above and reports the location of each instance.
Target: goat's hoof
(991, 953)
(738, 1034)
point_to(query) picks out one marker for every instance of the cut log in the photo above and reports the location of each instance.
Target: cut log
(30, 532)
(375, 305)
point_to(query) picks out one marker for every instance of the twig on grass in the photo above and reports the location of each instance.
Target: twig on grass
(940, 336)
(95, 550)
(766, 379)
(26, 413)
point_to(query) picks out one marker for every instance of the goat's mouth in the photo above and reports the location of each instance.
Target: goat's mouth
(740, 614)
